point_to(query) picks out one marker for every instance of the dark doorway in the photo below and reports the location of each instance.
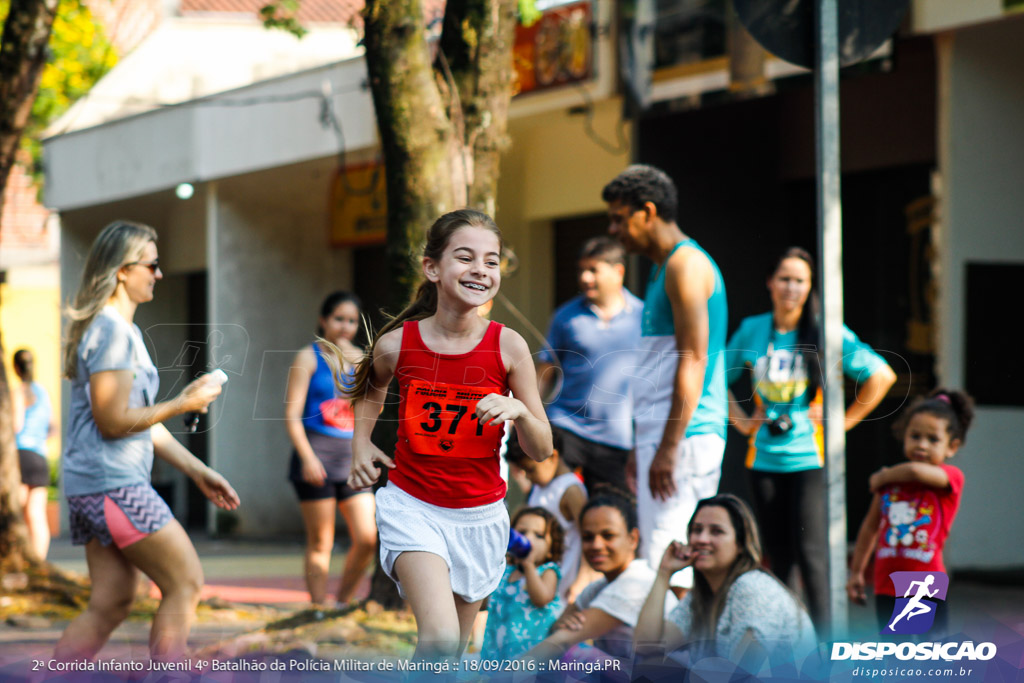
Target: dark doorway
(370, 282)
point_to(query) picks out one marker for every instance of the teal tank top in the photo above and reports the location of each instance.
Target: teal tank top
(656, 374)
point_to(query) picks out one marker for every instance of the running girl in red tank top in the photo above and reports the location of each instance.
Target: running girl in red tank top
(442, 522)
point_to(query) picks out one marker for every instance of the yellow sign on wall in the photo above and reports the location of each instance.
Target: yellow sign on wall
(357, 213)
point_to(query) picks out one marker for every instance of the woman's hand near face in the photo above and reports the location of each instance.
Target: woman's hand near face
(677, 556)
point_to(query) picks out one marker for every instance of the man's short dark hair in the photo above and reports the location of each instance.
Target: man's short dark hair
(605, 249)
(640, 184)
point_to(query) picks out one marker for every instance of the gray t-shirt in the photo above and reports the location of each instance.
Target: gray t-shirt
(93, 464)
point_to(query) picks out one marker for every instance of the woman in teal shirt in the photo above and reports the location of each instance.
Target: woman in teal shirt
(785, 456)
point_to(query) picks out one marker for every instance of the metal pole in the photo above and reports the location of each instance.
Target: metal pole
(830, 266)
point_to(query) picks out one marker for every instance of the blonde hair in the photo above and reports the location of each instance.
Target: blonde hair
(118, 244)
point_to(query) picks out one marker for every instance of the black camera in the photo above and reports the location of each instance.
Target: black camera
(780, 425)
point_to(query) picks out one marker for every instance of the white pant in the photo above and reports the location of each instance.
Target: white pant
(696, 475)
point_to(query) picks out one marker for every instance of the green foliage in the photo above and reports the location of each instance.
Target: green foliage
(282, 14)
(79, 55)
(528, 13)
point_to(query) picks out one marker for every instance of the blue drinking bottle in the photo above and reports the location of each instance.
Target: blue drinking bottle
(518, 545)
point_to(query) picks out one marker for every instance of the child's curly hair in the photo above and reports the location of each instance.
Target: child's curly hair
(553, 529)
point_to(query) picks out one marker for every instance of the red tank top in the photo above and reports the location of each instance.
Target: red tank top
(444, 456)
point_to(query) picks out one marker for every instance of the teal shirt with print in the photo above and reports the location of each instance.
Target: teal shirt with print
(780, 384)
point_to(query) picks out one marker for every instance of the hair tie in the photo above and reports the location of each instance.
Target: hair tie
(944, 398)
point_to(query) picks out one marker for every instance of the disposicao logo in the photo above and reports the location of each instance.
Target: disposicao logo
(914, 613)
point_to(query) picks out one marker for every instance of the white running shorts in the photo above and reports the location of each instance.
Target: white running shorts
(471, 541)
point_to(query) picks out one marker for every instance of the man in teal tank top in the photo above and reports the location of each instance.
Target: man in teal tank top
(679, 389)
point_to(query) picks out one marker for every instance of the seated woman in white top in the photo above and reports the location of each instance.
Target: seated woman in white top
(735, 610)
(606, 611)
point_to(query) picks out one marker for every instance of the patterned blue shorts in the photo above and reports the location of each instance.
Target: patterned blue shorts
(121, 516)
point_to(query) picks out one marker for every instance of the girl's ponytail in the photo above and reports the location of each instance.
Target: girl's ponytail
(962, 407)
(423, 305)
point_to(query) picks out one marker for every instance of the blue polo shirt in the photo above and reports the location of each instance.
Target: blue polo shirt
(597, 357)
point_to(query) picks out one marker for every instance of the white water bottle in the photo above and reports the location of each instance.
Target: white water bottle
(218, 377)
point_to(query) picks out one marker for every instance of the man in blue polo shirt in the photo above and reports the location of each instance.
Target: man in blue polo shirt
(594, 339)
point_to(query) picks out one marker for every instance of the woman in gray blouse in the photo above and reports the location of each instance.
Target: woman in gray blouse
(735, 610)
(114, 430)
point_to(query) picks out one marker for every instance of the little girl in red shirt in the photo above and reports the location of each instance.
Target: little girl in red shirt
(914, 502)
(441, 517)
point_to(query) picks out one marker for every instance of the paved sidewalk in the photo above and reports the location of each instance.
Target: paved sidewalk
(264, 574)
(238, 571)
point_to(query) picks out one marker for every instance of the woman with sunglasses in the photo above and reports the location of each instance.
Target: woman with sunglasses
(735, 610)
(114, 430)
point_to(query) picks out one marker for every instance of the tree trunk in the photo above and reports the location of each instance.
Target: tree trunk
(15, 550)
(442, 125)
(22, 57)
(476, 44)
(23, 44)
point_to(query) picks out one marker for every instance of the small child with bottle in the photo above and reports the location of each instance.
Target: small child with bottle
(557, 489)
(526, 603)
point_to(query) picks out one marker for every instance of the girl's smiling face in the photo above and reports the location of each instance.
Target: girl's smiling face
(927, 439)
(469, 270)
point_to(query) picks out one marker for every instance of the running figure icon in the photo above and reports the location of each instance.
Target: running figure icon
(914, 606)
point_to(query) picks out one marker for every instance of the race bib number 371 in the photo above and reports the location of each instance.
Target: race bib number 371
(440, 419)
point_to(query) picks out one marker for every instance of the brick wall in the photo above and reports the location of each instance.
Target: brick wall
(24, 219)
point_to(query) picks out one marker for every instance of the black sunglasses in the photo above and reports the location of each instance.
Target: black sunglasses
(153, 265)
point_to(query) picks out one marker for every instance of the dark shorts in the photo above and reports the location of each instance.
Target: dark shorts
(121, 516)
(35, 471)
(339, 490)
(336, 456)
(601, 464)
